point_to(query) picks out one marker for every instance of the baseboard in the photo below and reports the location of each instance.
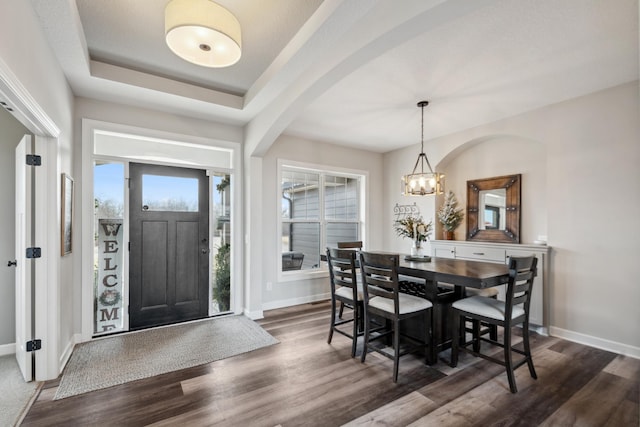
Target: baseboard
(295, 301)
(591, 341)
(7, 349)
(254, 315)
(66, 354)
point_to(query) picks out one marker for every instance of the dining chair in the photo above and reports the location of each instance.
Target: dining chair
(383, 299)
(345, 289)
(348, 245)
(507, 314)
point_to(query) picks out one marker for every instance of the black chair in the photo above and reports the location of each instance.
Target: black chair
(345, 289)
(383, 299)
(350, 245)
(514, 311)
(357, 245)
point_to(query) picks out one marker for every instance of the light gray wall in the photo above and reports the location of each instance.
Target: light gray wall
(11, 132)
(592, 199)
(498, 156)
(26, 53)
(313, 152)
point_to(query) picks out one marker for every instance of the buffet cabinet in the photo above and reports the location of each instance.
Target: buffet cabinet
(499, 253)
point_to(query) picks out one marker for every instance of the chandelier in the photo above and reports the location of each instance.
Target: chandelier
(421, 181)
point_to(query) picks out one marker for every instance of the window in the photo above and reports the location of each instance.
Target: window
(319, 209)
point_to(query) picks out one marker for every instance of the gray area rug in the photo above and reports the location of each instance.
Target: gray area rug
(116, 360)
(16, 394)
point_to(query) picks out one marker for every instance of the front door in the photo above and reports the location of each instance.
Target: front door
(169, 246)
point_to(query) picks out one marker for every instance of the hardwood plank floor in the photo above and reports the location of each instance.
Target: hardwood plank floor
(303, 381)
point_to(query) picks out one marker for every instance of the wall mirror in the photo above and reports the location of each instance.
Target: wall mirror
(493, 209)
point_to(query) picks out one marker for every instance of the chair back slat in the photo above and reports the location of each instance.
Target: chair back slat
(380, 276)
(342, 270)
(522, 271)
(352, 245)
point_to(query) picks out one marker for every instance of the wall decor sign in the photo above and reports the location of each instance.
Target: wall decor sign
(66, 217)
(109, 277)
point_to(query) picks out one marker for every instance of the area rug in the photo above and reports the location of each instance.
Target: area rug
(116, 360)
(16, 393)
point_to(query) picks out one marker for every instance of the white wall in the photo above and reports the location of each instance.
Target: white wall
(11, 132)
(301, 150)
(25, 52)
(592, 198)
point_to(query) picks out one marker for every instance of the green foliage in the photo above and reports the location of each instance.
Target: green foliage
(413, 227)
(449, 215)
(222, 284)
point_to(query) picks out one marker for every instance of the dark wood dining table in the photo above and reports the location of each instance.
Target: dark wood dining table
(423, 278)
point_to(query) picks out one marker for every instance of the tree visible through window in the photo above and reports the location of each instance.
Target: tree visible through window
(319, 209)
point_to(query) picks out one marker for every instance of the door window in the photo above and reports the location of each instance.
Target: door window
(169, 193)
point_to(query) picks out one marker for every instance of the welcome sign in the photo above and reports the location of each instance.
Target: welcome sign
(109, 276)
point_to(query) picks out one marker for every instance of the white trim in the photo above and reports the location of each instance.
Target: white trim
(66, 354)
(6, 349)
(295, 301)
(591, 341)
(26, 109)
(254, 315)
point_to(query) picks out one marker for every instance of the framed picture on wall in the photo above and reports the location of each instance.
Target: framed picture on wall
(66, 217)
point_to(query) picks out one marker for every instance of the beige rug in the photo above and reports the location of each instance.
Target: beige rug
(16, 393)
(116, 360)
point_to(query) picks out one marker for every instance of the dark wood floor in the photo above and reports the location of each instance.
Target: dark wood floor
(303, 381)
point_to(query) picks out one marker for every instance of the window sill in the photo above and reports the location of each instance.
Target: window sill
(291, 276)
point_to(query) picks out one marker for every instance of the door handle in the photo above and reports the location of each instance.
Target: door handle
(12, 263)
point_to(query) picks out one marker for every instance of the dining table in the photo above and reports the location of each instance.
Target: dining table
(425, 278)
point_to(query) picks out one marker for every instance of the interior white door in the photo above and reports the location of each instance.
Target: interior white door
(23, 266)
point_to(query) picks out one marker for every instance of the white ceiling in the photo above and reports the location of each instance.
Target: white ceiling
(351, 71)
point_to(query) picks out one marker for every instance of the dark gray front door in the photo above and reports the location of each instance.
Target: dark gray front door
(169, 259)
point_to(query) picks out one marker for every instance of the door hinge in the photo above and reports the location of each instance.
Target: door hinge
(34, 345)
(34, 160)
(34, 252)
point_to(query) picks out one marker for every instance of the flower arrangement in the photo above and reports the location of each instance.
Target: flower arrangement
(414, 228)
(450, 215)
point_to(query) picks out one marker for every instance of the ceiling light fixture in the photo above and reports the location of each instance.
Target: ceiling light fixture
(422, 183)
(202, 32)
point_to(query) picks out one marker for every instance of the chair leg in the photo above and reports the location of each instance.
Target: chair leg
(476, 335)
(493, 332)
(366, 336)
(527, 350)
(333, 320)
(508, 361)
(456, 329)
(341, 310)
(430, 348)
(354, 333)
(396, 349)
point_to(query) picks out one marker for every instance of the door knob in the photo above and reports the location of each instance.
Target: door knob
(12, 263)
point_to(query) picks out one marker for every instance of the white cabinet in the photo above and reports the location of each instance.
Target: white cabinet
(500, 252)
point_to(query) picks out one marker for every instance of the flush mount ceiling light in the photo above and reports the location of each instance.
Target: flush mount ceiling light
(202, 32)
(419, 182)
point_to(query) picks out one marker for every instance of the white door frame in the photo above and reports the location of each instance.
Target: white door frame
(47, 234)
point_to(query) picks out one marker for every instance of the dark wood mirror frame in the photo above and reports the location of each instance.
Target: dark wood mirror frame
(511, 233)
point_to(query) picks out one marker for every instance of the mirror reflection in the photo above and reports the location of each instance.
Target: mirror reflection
(492, 209)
